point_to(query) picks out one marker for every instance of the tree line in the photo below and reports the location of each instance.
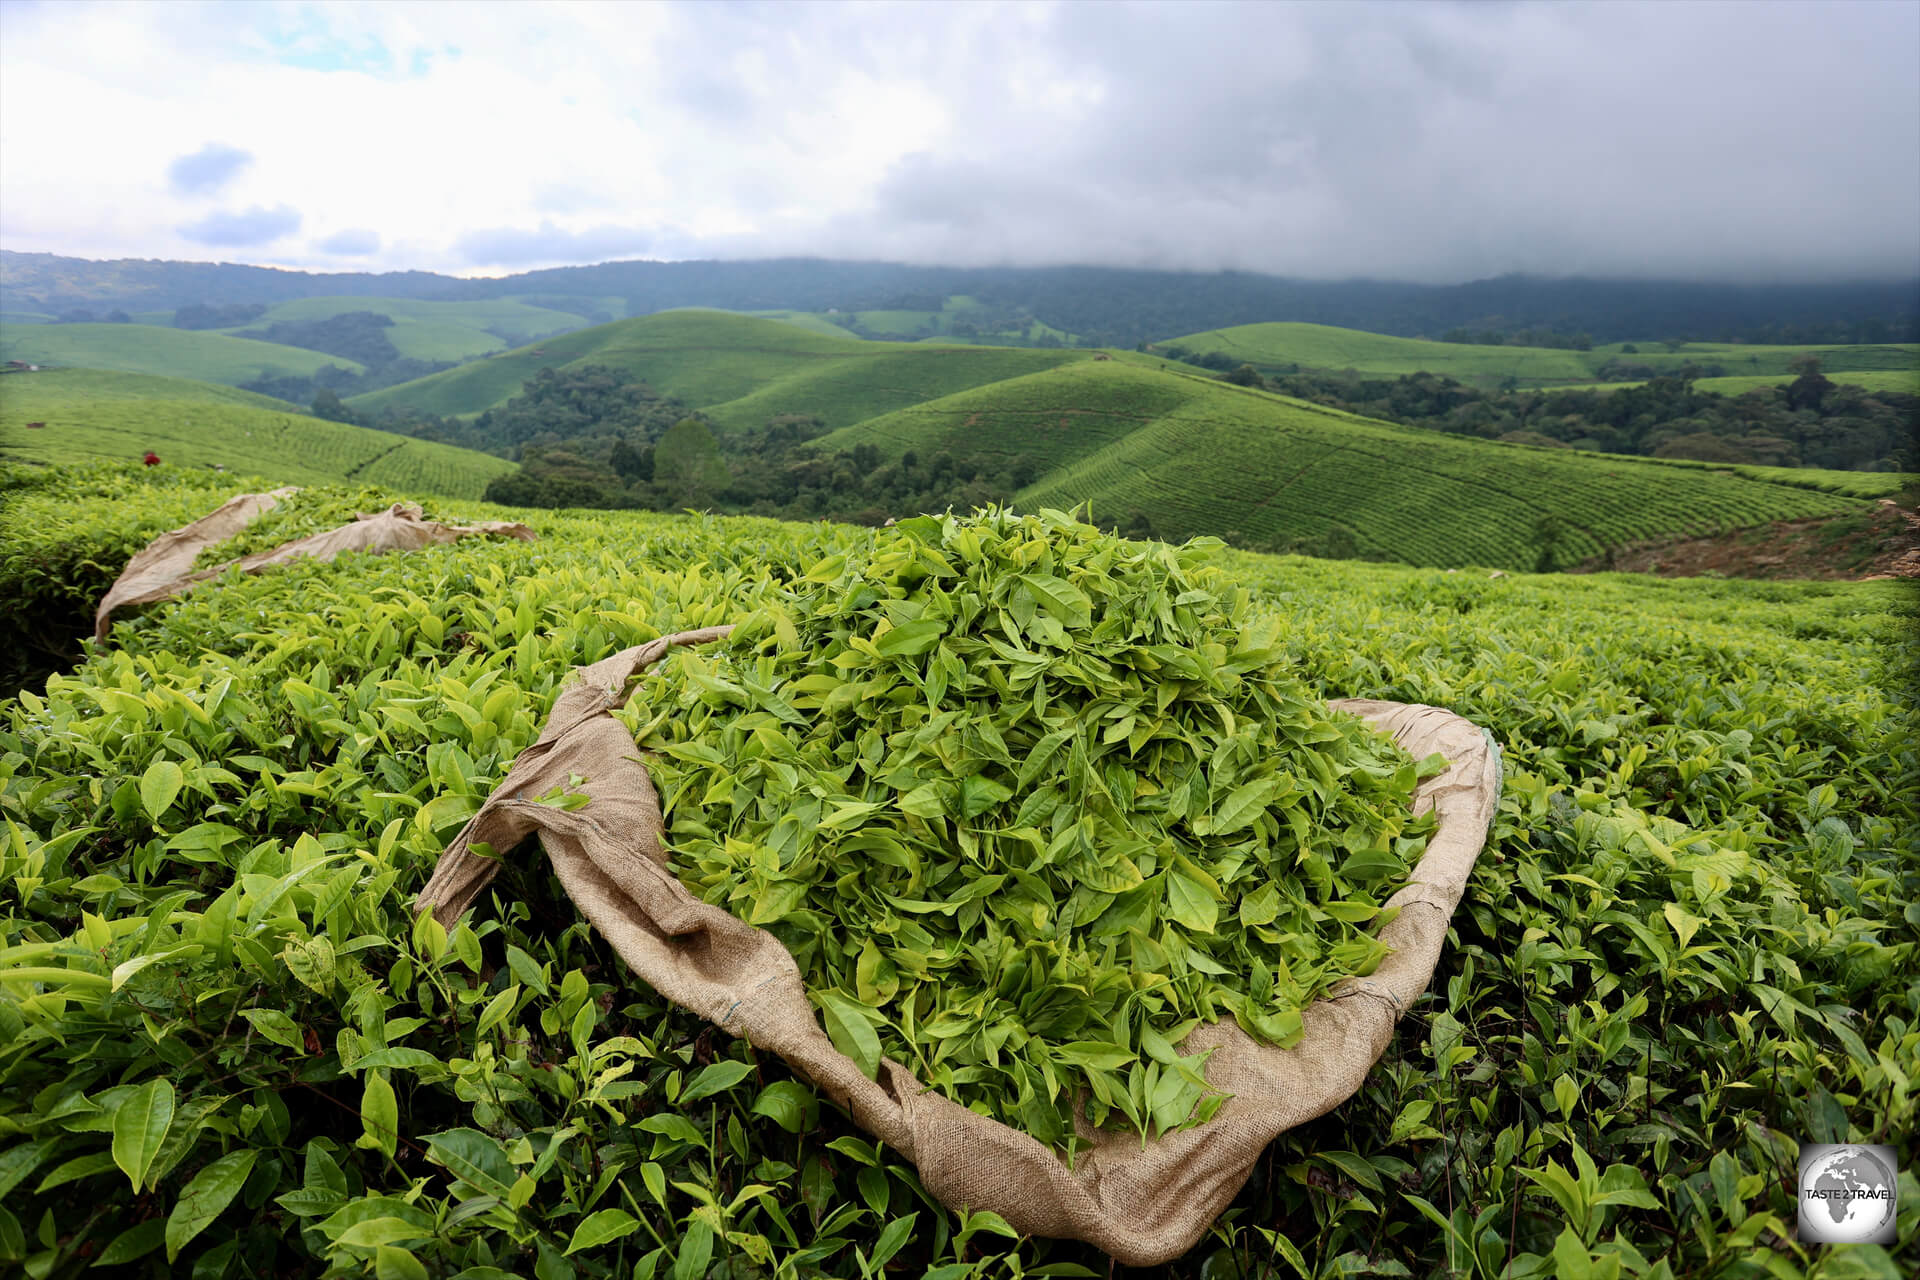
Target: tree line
(1807, 421)
(1104, 306)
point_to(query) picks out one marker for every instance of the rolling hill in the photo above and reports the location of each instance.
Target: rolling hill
(1283, 346)
(94, 414)
(739, 369)
(1125, 431)
(1107, 306)
(203, 356)
(1197, 456)
(436, 330)
(1867, 379)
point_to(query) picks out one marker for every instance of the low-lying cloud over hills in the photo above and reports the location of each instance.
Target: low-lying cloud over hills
(1432, 142)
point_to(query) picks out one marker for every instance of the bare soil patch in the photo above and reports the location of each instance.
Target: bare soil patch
(1881, 542)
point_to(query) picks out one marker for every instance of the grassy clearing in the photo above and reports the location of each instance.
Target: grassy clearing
(1686, 949)
(101, 415)
(175, 353)
(438, 330)
(1199, 456)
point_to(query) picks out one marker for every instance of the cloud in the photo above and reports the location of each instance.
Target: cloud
(207, 170)
(350, 244)
(569, 198)
(255, 227)
(1439, 141)
(516, 247)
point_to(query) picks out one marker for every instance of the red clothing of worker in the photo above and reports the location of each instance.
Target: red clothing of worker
(152, 459)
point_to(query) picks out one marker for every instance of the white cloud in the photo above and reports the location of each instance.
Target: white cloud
(1433, 141)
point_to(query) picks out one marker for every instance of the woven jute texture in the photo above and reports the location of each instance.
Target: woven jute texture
(163, 568)
(1142, 1204)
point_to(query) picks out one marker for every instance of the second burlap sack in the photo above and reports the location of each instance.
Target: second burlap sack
(163, 569)
(1142, 1204)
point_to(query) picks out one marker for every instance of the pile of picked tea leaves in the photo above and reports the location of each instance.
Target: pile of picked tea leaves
(301, 514)
(1028, 803)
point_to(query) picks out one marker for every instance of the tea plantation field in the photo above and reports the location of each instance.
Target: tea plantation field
(1265, 471)
(740, 369)
(229, 1049)
(1132, 432)
(175, 353)
(436, 330)
(1324, 347)
(95, 414)
(1739, 384)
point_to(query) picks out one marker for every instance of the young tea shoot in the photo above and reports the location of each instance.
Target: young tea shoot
(1029, 803)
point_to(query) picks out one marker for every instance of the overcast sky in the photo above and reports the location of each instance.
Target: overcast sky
(1427, 141)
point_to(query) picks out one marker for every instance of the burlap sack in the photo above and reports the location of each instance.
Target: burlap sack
(164, 568)
(1142, 1204)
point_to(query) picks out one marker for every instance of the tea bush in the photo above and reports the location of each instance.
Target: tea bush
(228, 1048)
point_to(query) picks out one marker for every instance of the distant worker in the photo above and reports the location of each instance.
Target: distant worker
(152, 459)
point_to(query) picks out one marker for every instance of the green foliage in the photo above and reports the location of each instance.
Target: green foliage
(66, 535)
(687, 465)
(569, 404)
(1907, 381)
(359, 336)
(1689, 944)
(1034, 802)
(421, 330)
(1201, 457)
(149, 349)
(739, 370)
(1292, 347)
(1667, 416)
(1105, 307)
(91, 414)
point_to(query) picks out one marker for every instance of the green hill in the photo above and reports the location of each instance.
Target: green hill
(94, 414)
(175, 353)
(1740, 384)
(1283, 346)
(739, 369)
(1738, 359)
(1188, 453)
(437, 330)
(1196, 456)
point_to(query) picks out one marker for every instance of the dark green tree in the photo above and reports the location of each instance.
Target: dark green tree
(687, 464)
(328, 404)
(1246, 376)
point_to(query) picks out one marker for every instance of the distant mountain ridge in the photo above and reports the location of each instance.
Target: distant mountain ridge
(1104, 306)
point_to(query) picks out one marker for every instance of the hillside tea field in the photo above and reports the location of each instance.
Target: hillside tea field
(150, 349)
(1028, 803)
(739, 369)
(230, 1049)
(1266, 471)
(97, 414)
(1287, 344)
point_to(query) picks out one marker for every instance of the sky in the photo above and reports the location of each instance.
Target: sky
(1429, 140)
